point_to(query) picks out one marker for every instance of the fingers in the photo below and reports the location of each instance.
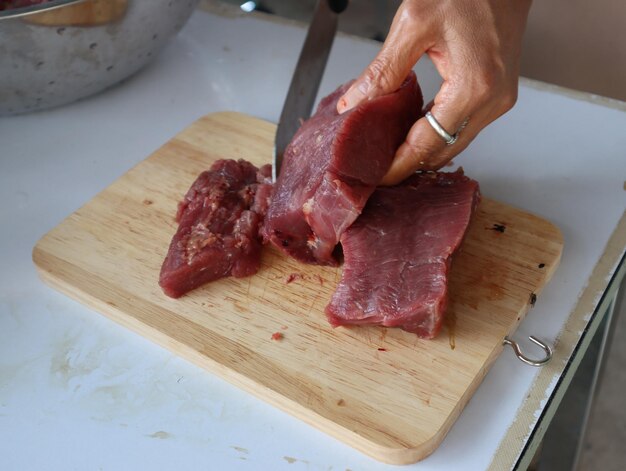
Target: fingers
(475, 49)
(407, 160)
(452, 106)
(480, 100)
(406, 42)
(481, 120)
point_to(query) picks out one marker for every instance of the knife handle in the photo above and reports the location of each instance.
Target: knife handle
(338, 5)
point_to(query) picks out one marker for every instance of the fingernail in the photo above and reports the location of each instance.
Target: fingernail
(355, 95)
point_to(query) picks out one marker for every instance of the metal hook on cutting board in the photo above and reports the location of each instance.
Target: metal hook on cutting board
(524, 358)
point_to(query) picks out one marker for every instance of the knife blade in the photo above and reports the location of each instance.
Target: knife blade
(307, 75)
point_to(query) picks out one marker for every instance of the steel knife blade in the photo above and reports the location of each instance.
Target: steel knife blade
(307, 75)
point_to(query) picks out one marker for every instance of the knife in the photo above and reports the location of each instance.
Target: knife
(307, 75)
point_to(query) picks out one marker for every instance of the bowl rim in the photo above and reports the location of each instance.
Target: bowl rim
(30, 10)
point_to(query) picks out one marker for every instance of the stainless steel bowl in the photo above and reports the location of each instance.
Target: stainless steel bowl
(63, 50)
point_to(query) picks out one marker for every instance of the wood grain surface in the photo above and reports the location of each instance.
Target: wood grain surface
(383, 391)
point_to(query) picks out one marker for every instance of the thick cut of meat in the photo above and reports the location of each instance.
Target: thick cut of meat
(10, 4)
(332, 166)
(398, 252)
(219, 221)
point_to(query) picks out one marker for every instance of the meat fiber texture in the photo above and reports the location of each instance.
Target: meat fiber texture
(398, 253)
(332, 166)
(218, 231)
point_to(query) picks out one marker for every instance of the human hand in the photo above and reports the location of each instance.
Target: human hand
(475, 45)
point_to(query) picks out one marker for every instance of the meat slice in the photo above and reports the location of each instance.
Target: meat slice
(10, 4)
(332, 166)
(218, 231)
(398, 253)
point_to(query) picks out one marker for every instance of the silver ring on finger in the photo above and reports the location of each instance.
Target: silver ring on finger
(448, 138)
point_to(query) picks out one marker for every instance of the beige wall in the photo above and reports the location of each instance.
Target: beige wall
(579, 44)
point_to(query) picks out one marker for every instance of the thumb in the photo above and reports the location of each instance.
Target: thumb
(400, 52)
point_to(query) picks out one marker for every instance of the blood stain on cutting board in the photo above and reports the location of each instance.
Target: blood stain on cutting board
(278, 336)
(450, 322)
(484, 286)
(499, 228)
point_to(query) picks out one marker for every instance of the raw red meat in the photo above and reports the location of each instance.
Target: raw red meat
(332, 166)
(10, 4)
(278, 336)
(218, 228)
(398, 252)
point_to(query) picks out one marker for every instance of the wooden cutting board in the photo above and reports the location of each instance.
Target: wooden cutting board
(383, 391)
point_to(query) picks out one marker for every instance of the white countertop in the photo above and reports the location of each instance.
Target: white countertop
(80, 392)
